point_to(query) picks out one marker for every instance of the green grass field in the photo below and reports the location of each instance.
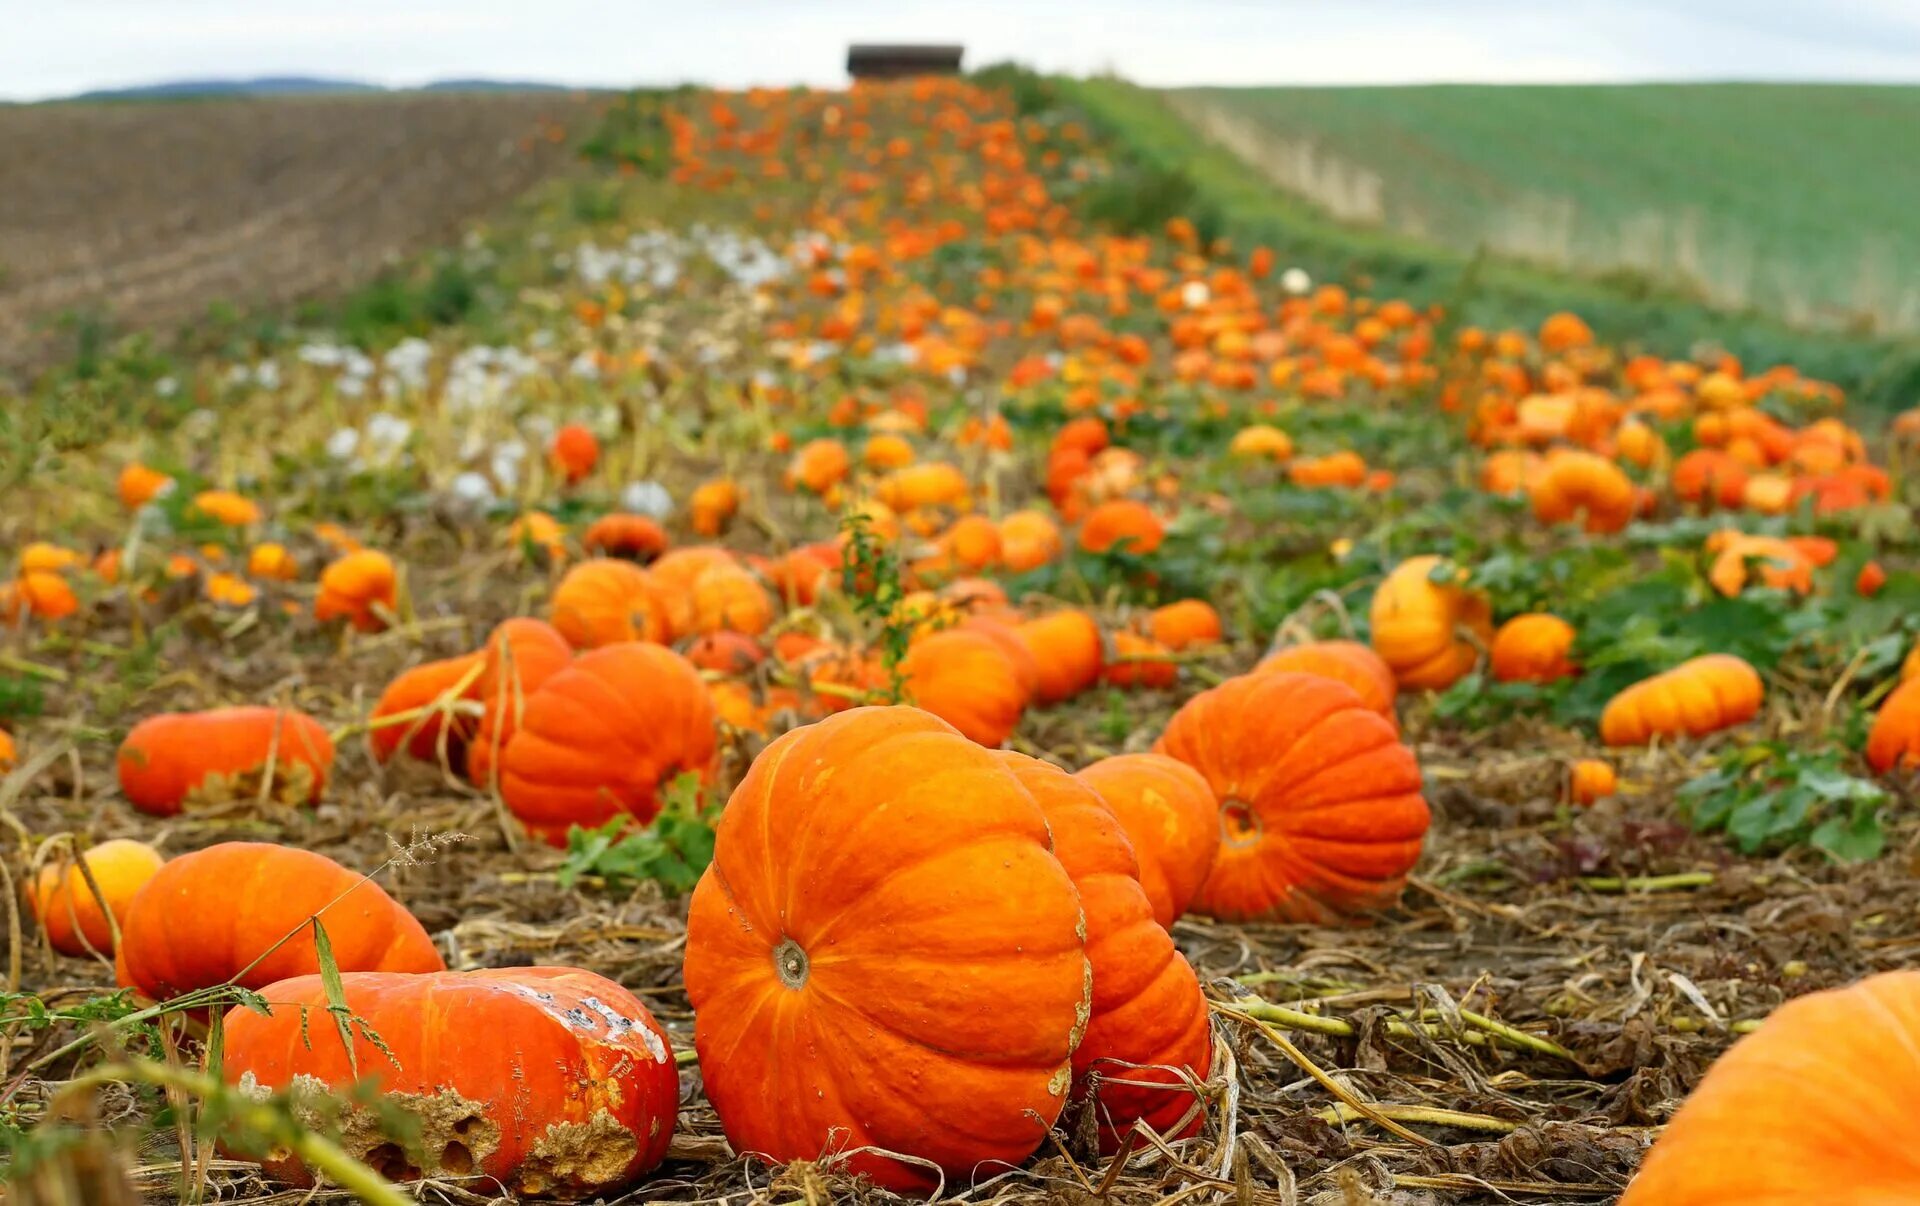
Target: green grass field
(1796, 200)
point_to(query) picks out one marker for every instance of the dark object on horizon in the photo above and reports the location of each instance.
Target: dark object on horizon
(897, 62)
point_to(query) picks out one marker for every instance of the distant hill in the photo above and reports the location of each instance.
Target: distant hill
(300, 85)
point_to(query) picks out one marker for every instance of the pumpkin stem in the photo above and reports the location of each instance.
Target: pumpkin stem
(790, 964)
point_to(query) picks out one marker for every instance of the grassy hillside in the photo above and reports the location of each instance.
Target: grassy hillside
(1795, 199)
(1226, 191)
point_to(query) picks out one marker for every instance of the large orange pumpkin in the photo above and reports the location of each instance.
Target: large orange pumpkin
(1697, 697)
(1320, 807)
(1815, 1106)
(520, 654)
(965, 679)
(1149, 1021)
(206, 918)
(1429, 633)
(543, 1081)
(885, 956)
(431, 684)
(1169, 814)
(183, 760)
(66, 906)
(603, 736)
(1347, 662)
(602, 601)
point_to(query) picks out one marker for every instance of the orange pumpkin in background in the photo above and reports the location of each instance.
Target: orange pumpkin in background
(1809, 1108)
(189, 760)
(546, 1081)
(725, 652)
(1067, 648)
(1429, 633)
(1894, 739)
(1591, 780)
(520, 654)
(358, 588)
(1695, 698)
(1169, 814)
(1349, 662)
(1149, 1020)
(603, 601)
(70, 912)
(729, 598)
(139, 485)
(431, 685)
(209, 917)
(574, 452)
(604, 736)
(1139, 661)
(1320, 805)
(1121, 524)
(1533, 648)
(795, 944)
(713, 504)
(965, 679)
(1581, 485)
(618, 534)
(1185, 624)
(819, 466)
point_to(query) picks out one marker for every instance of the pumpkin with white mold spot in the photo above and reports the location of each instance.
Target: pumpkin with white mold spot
(553, 1081)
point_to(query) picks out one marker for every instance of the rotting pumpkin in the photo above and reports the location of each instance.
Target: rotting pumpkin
(546, 1082)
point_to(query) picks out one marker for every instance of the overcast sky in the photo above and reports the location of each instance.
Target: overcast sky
(57, 47)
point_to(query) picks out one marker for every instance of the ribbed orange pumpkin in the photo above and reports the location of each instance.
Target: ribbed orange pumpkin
(966, 680)
(1695, 698)
(1026, 667)
(520, 654)
(545, 1081)
(66, 906)
(427, 685)
(204, 917)
(1532, 648)
(1894, 739)
(183, 760)
(1320, 804)
(602, 601)
(1347, 662)
(1149, 1020)
(1418, 623)
(1066, 646)
(1172, 819)
(603, 736)
(885, 955)
(1814, 1106)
